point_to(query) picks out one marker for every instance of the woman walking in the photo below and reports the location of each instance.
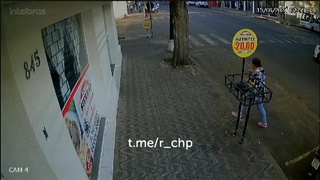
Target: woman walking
(258, 81)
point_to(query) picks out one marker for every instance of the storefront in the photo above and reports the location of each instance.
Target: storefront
(240, 5)
(214, 3)
(267, 4)
(249, 6)
(294, 17)
(57, 85)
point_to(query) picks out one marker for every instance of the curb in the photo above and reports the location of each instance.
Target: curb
(273, 162)
(244, 13)
(293, 25)
(259, 17)
(277, 21)
(264, 18)
(230, 11)
(192, 59)
(233, 11)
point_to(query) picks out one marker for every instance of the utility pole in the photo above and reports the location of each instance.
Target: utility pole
(151, 18)
(171, 22)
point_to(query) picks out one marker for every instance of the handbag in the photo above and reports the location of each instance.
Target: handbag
(243, 86)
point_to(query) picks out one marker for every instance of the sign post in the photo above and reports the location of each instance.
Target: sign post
(150, 9)
(147, 25)
(244, 44)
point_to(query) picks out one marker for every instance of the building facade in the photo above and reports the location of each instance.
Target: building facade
(60, 75)
(250, 6)
(293, 17)
(120, 9)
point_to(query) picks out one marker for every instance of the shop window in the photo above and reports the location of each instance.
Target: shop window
(62, 42)
(67, 60)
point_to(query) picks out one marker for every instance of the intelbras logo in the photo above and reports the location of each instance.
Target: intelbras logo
(26, 11)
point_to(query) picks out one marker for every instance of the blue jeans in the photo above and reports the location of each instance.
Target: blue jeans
(260, 108)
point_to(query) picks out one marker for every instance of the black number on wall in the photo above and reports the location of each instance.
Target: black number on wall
(37, 58)
(27, 71)
(35, 62)
(32, 68)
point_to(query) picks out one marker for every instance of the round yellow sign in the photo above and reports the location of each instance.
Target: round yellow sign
(244, 43)
(147, 24)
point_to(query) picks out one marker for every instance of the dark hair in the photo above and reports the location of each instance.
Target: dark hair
(256, 62)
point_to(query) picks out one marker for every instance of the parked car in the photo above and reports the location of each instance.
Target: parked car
(317, 53)
(156, 7)
(310, 21)
(314, 24)
(191, 3)
(202, 4)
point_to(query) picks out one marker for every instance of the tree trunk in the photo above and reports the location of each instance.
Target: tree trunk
(181, 33)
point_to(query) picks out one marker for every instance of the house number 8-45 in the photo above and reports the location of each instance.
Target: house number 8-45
(35, 62)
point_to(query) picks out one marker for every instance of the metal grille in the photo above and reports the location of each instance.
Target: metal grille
(247, 96)
(62, 44)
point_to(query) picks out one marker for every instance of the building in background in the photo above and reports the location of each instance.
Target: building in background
(120, 9)
(256, 6)
(293, 17)
(214, 3)
(60, 75)
(250, 6)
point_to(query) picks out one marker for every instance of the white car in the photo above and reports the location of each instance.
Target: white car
(317, 53)
(314, 24)
(310, 21)
(202, 4)
(191, 3)
(155, 7)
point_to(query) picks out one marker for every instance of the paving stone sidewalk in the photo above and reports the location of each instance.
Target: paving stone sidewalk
(157, 101)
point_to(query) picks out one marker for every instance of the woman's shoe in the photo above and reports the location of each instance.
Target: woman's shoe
(262, 125)
(235, 114)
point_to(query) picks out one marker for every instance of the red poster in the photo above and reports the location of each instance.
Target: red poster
(83, 120)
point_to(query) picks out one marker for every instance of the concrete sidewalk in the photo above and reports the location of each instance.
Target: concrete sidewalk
(160, 103)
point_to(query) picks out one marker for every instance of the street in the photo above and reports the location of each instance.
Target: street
(292, 74)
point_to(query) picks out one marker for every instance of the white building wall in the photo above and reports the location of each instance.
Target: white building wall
(115, 51)
(93, 30)
(31, 105)
(120, 9)
(19, 147)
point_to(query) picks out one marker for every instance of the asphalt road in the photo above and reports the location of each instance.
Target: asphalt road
(293, 75)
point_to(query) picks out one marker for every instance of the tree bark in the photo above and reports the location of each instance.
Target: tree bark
(181, 33)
